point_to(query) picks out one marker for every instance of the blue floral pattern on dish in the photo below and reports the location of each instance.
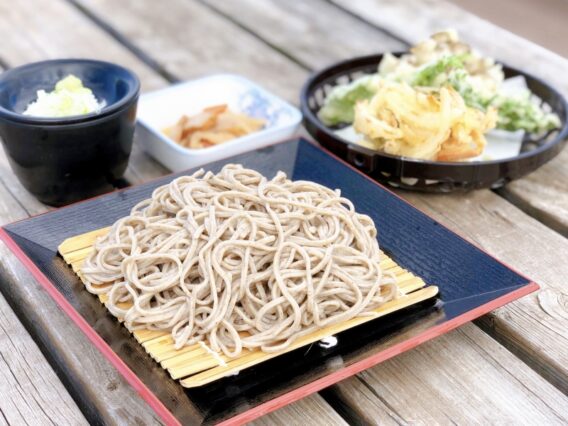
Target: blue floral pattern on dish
(256, 104)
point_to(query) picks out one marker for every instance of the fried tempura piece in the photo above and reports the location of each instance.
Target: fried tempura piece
(431, 125)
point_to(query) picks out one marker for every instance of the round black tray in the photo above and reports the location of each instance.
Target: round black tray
(422, 175)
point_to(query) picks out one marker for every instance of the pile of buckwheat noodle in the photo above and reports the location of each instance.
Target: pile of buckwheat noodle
(234, 260)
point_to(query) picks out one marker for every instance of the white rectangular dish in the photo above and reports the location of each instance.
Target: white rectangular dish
(162, 108)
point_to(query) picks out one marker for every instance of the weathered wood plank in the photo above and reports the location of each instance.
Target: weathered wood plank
(543, 194)
(103, 394)
(108, 10)
(29, 36)
(442, 394)
(312, 410)
(31, 392)
(323, 32)
(536, 326)
(530, 327)
(189, 40)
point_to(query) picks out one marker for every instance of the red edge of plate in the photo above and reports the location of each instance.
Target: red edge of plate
(291, 396)
(275, 403)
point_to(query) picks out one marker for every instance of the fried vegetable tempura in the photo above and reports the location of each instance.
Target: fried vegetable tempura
(421, 123)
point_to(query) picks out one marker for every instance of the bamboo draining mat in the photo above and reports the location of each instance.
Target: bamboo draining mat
(196, 366)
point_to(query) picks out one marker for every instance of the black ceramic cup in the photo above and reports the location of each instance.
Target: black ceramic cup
(65, 159)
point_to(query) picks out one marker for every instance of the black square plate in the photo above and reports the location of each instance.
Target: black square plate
(471, 284)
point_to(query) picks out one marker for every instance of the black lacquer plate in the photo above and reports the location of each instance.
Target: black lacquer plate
(424, 175)
(471, 283)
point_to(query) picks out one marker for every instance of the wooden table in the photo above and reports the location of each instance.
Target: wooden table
(508, 367)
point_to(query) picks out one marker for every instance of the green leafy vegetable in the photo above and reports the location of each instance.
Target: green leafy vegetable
(450, 70)
(438, 73)
(339, 106)
(523, 113)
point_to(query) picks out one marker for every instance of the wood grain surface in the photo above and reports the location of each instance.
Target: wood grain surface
(312, 410)
(475, 378)
(320, 32)
(30, 391)
(400, 391)
(191, 40)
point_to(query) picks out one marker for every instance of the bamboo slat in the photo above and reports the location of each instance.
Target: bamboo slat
(195, 365)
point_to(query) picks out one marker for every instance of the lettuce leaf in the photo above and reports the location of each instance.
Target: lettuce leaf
(339, 105)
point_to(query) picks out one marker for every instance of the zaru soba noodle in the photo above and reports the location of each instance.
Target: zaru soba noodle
(234, 260)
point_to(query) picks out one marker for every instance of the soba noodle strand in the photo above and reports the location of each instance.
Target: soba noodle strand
(234, 260)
